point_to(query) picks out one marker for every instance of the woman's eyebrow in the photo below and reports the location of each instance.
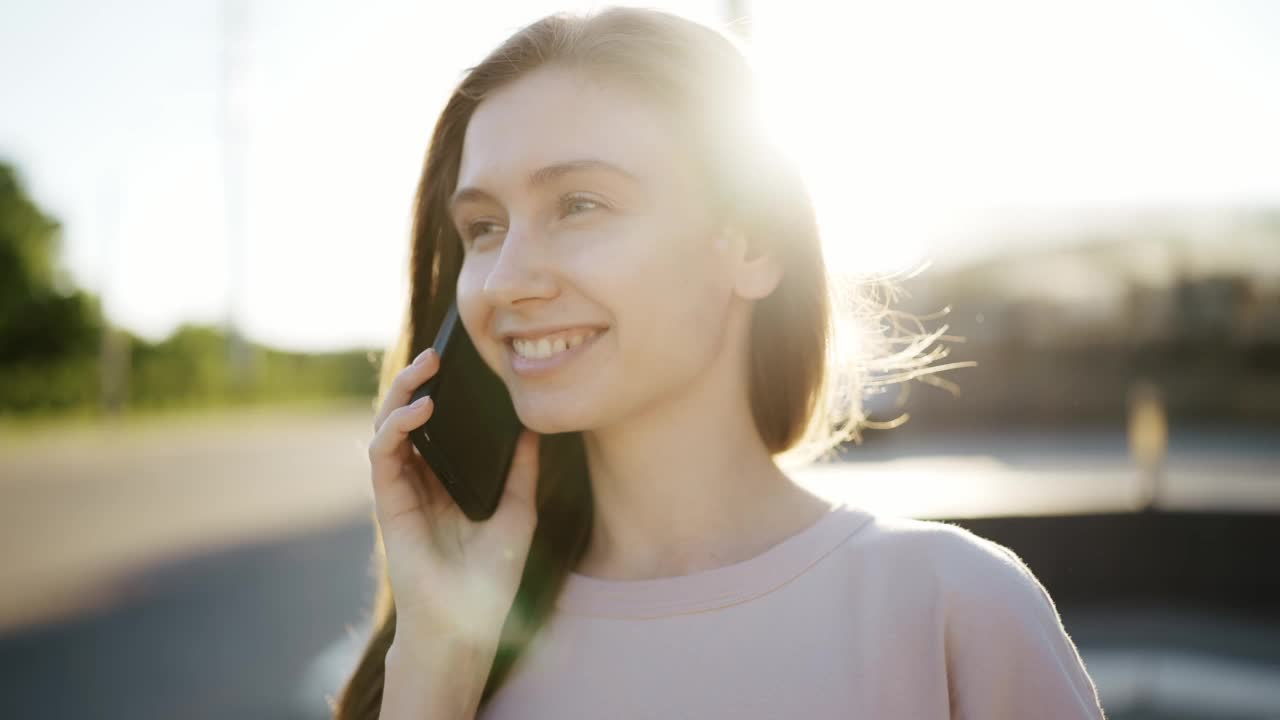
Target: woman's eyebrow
(545, 175)
(550, 173)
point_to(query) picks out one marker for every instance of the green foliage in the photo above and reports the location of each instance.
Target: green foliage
(63, 385)
(193, 367)
(39, 323)
(27, 243)
(52, 338)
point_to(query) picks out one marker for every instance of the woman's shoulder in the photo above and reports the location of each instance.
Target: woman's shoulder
(963, 568)
(1005, 650)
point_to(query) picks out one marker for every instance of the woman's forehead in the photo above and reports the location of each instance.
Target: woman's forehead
(552, 116)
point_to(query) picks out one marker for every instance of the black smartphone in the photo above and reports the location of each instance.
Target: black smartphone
(470, 438)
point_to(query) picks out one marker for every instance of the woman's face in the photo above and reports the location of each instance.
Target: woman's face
(584, 222)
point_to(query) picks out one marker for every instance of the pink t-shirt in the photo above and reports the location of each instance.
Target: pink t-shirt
(856, 616)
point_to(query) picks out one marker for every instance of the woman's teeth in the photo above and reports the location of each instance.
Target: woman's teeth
(545, 348)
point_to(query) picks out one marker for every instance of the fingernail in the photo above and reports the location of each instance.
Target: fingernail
(422, 356)
(421, 401)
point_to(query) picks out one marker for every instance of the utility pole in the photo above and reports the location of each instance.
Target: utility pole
(114, 349)
(738, 15)
(234, 106)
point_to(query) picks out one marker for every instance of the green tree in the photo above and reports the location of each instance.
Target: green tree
(42, 316)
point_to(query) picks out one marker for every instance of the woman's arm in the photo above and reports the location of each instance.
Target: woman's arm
(445, 685)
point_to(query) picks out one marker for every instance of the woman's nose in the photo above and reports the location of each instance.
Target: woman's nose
(521, 271)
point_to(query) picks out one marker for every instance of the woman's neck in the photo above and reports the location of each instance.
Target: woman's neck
(688, 485)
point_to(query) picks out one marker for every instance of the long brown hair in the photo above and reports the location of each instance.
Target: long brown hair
(803, 387)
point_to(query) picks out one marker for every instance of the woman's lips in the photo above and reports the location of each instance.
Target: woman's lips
(536, 367)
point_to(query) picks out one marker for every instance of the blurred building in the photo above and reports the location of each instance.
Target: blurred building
(1061, 330)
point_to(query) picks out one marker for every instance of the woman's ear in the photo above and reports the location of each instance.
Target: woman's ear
(755, 274)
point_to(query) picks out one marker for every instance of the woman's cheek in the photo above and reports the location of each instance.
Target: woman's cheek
(619, 253)
(470, 298)
(471, 281)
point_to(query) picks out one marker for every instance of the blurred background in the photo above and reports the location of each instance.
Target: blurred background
(204, 214)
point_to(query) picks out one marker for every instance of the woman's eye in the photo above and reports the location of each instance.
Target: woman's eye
(574, 205)
(480, 228)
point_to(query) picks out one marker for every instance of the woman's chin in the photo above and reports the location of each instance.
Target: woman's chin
(550, 421)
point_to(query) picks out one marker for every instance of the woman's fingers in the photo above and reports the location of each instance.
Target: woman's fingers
(394, 493)
(395, 430)
(405, 383)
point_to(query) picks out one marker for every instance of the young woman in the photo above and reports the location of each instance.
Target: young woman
(634, 260)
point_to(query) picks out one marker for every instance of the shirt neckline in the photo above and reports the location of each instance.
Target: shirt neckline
(705, 590)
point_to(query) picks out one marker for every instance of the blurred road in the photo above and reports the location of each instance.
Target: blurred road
(81, 505)
(225, 635)
(192, 567)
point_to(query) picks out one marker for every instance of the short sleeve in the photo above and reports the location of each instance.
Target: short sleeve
(1008, 656)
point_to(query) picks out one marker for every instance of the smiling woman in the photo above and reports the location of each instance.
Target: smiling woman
(643, 270)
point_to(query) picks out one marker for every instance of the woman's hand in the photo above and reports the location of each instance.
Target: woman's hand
(454, 580)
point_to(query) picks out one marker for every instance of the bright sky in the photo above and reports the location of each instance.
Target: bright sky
(919, 124)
